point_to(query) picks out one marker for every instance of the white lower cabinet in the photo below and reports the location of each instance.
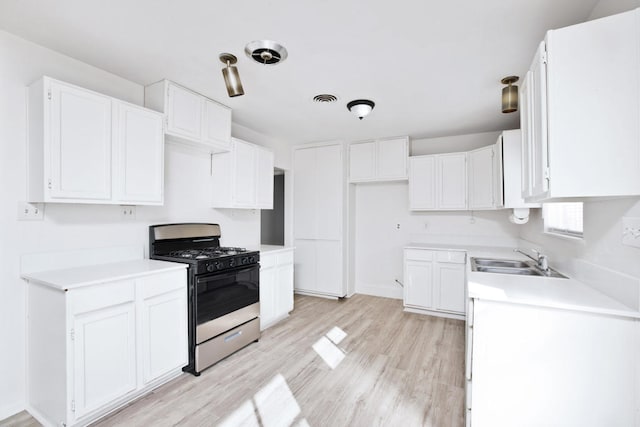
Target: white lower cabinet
(96, 347)
(434, 282)
(538, 366)
(276, 286)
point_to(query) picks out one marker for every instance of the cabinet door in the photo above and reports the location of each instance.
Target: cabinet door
(80, 151)
(392, 155)
(418, 284)
(305, 266)
(422, 182)
(184, 113)
(268, 296)
(526, 123)
(329, 191)
(244, 174)
(164, 334)
(539, 167)
(104, 356)
(329, 268)
(452, 181)
(216, 125)
(140, 145)
(285, 288)
(481, 178)
(305, 211)
(264, 179)
(362, 161)
(450, 287)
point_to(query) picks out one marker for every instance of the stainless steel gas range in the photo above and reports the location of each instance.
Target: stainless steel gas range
(224, 289)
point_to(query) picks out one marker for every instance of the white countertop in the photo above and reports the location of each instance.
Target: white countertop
(274, 248)
(76, 277)
(568, 294)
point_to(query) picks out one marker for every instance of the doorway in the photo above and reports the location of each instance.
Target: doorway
(272, 220)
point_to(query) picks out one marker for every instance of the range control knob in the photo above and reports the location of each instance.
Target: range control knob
(219, 265)
(232, 262)
(245, 260)
(210, 267)
(252, 259)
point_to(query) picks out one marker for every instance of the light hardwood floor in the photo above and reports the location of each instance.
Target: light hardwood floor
(397, 369)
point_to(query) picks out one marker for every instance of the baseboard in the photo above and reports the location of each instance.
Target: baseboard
(314, 294)
(435, 313)
(379, 291)
(7, 411)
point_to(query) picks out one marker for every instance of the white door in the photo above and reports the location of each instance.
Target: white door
(450, 284)
(244, 174)
(452, 181)
(422, 182)
(184, 113)
(264, 179)
(140, 147)
(268, 295)
(164, 334)
(328, 192)
(418, 284)
(81, 156)
(540, 162)
(216, 125)
(304, 194)
(481, 178)
(392, 158)
(104, 356)
(362, 161)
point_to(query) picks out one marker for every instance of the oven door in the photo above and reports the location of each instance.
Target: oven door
(225, 300)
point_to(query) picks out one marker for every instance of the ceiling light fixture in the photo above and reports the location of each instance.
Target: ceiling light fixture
(509, 95)
(361, 107)
(231, 75)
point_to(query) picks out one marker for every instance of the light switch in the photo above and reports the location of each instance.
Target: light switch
(631, 232)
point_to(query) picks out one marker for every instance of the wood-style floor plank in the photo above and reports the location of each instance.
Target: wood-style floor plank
(398, 369)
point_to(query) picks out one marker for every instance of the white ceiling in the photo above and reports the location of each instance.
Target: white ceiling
(433, 68)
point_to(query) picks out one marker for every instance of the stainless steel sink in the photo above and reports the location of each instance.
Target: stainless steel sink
(511, 266)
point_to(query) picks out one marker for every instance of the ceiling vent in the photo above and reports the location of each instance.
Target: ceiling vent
(266, 52)
(325, 97)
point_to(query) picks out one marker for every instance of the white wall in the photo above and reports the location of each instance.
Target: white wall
(380, 207)
(611, 7)
(187, 190)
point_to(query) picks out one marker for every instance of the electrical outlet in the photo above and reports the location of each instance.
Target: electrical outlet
(631, 232)
(128, 212)
(30, 211)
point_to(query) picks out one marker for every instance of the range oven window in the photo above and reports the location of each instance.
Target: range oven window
(222, 293)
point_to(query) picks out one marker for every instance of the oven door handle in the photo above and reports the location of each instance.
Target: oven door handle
(203, 278)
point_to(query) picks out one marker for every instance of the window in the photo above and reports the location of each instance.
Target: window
(563, 218)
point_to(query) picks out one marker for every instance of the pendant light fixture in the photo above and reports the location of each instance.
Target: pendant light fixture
(509, 95)
(361, 107)
(231, 75)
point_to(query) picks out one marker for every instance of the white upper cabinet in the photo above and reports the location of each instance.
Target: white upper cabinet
(85, 147)
(438, 182)
(581, 114)
(243, 177)
(191, 118)
(140, 155)
(485, 175)
(511, 143)
(451, 181)
(380, 160)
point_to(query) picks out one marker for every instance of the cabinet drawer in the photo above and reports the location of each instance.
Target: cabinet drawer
(267, 260)
(455, 257)
(159, 284)
(95, 297)
(285, 258)
(418, 254)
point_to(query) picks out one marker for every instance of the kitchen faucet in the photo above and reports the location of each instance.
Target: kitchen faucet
(542, 260)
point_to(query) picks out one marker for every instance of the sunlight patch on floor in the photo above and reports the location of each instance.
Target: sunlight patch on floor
(327, 347)
(272, 406)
